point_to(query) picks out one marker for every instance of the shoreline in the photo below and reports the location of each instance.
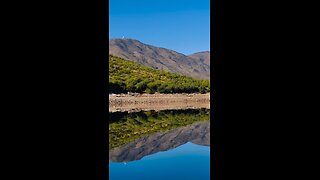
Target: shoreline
(145, 102)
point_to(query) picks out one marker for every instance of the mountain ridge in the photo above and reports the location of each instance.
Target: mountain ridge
(203, 56)
(159, 58)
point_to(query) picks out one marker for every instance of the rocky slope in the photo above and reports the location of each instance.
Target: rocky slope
(202, 56)
(160, 58)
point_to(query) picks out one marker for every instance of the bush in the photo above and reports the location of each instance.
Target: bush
(127, 76)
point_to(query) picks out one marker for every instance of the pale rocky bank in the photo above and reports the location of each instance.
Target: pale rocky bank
(137, 102)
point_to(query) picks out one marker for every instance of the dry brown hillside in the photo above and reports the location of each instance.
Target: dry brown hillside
(159, 58)
(202, 56)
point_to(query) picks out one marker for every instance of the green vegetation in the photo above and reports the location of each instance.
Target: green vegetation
(127, 76)
(126, 127)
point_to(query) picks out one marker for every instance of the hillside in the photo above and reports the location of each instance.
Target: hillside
(127, 76)
(202, 56)
(159, 58)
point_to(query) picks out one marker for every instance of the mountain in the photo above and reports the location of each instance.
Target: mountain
(159, 58)
(202, 56)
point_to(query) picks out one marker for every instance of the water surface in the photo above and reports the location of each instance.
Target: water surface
(173, 144)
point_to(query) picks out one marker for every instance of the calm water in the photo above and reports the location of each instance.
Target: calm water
(172, 145)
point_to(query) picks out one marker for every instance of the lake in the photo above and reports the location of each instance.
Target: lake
(167, 144)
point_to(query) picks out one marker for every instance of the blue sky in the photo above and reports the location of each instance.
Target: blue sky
(180, 25)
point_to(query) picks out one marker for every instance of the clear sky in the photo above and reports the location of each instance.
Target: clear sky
(180, 25)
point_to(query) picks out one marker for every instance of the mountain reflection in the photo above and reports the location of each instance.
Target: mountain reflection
(197, 132)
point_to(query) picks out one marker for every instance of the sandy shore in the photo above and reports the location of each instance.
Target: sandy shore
(138, 102)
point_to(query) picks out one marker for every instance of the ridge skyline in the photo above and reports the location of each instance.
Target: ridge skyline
(133, 39)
